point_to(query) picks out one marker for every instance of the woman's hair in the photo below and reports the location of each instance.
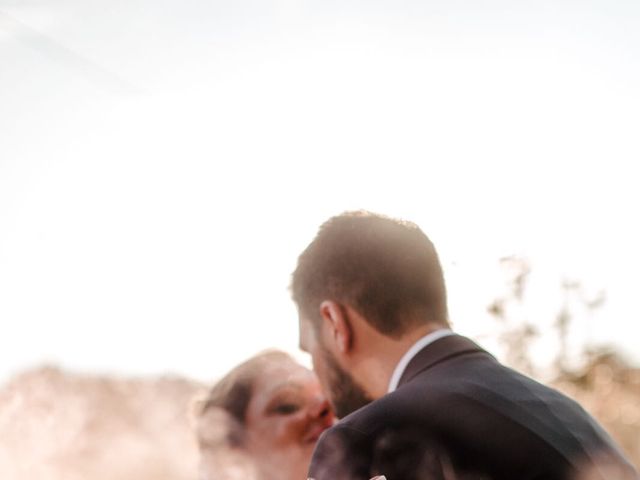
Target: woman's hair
(233, 393)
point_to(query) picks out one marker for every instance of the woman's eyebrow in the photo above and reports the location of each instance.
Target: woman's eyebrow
(286, 385)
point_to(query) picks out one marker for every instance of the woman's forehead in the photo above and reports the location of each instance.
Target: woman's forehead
(283, 375)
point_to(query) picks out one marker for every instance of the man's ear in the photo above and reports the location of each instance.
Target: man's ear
(336, 321)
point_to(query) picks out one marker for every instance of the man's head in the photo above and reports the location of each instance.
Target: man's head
(365, 281)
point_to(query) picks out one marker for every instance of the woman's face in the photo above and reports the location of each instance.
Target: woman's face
(285, 416)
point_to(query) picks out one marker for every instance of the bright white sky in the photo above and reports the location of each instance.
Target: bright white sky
(162, 164)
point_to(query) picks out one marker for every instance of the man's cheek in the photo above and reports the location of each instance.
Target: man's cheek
(320, 368)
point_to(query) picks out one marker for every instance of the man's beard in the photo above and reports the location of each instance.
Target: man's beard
(345, 395)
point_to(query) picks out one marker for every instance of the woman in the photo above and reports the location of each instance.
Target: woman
(262, 421)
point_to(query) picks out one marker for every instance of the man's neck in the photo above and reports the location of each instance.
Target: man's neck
(415, 349)
(378, 366)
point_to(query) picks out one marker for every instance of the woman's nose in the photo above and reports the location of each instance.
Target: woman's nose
(320, 408)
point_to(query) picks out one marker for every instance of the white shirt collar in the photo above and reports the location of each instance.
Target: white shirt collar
(412, 352)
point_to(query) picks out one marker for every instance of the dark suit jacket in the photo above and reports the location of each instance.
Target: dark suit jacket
(458, 414)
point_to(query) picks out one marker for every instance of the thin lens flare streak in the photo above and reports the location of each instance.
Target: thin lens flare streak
(74, 61)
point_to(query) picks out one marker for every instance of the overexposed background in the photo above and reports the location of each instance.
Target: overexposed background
(162, 164)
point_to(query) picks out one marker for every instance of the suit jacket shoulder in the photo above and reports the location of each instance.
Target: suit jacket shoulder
(457, 409)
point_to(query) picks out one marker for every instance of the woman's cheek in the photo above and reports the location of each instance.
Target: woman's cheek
(293, 429)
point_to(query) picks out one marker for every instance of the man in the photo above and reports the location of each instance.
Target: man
(415, 399)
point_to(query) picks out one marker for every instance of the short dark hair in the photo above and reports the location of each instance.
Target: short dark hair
(387, 269)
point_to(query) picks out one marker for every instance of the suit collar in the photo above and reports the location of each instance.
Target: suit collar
(436, 352)
(412, 352)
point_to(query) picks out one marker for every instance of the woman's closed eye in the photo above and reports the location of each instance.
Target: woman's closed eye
(285, 408)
